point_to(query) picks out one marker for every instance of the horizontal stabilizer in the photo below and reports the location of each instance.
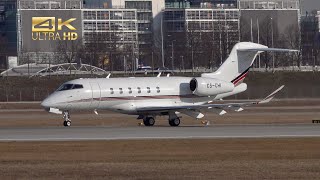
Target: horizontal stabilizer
(268, 49)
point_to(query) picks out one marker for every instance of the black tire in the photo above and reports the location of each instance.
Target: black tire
(149, 121)
(174, 122)
(66, 123)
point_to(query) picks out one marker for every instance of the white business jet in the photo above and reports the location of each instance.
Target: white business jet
(149, 97)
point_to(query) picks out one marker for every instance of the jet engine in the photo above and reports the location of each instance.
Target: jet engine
(209, 86)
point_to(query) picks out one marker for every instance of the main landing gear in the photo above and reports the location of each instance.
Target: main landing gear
(67, 120)
(148, 121)
(174, 120)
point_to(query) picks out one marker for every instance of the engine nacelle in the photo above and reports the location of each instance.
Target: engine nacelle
(209, 86)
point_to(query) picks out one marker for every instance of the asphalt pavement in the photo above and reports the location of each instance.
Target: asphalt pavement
(159, 132)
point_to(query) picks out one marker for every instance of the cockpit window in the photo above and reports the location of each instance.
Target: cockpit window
(77, 86)
(65, 87)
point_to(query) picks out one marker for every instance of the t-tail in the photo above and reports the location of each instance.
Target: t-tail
(241, 58)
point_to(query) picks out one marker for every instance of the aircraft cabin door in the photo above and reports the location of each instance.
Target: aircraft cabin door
(96, 95)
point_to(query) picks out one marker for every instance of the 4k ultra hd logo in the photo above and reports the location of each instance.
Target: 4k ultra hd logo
(51, 28)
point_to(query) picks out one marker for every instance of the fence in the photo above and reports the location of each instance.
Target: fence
(19, 95)
(297, 85)
(253, 92)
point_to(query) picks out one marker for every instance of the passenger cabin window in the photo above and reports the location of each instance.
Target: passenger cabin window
(111, 91)
(121, 91)
(65, 87)
(139, 90)
(158, 89)
(130, 90)
(148, 90)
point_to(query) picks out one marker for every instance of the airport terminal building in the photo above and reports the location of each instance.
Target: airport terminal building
(120, 32)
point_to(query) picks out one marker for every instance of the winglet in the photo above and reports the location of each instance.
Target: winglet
(108, 76)
(271, 96)
(159, 74)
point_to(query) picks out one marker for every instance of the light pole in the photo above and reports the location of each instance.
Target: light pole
(162, 45)
(272, 45)
(258, 27)
(182, 61)
(220, 44)
(172, 54)
(152, 61)
(192, 61)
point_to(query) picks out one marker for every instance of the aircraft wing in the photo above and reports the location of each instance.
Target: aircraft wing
(222, 107)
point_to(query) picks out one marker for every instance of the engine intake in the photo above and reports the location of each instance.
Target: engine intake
(209, 86)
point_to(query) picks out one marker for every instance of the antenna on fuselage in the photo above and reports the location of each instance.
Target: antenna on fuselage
(159, 74)
(108, 77)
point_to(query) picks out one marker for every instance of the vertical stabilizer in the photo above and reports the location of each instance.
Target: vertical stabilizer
(237, 65)
(241, 58)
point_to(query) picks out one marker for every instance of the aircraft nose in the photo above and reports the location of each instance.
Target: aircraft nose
(46, 103)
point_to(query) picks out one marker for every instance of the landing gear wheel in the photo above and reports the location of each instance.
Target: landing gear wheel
(174, 122)
(148, 121)
(67, 123)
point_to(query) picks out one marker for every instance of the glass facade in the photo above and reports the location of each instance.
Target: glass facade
(204, 20)
(8, 25)
(269, 4)
(97, 4)
(56, 4)
(144, 20)
(310, 39)
(140, 5)
(111, 25)
(201, 3)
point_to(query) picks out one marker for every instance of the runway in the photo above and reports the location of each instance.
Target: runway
(186, 132)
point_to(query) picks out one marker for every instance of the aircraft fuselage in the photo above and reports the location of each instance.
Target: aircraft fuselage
(125, 95)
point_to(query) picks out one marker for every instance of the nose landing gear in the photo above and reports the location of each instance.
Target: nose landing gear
(67, 120)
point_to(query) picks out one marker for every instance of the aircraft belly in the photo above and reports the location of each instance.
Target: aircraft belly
(123, 106)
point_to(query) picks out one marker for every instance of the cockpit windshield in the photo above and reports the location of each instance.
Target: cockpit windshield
(65, 87)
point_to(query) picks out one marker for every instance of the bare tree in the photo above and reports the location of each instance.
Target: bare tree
(3, 49)
(292, 40)
(68, 51)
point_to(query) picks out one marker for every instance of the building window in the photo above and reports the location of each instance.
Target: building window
(139, 90)
(148, 90)
(158, 89)
(111, 91)
(130, 90)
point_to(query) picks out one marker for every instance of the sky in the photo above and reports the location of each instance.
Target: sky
(309, 5)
